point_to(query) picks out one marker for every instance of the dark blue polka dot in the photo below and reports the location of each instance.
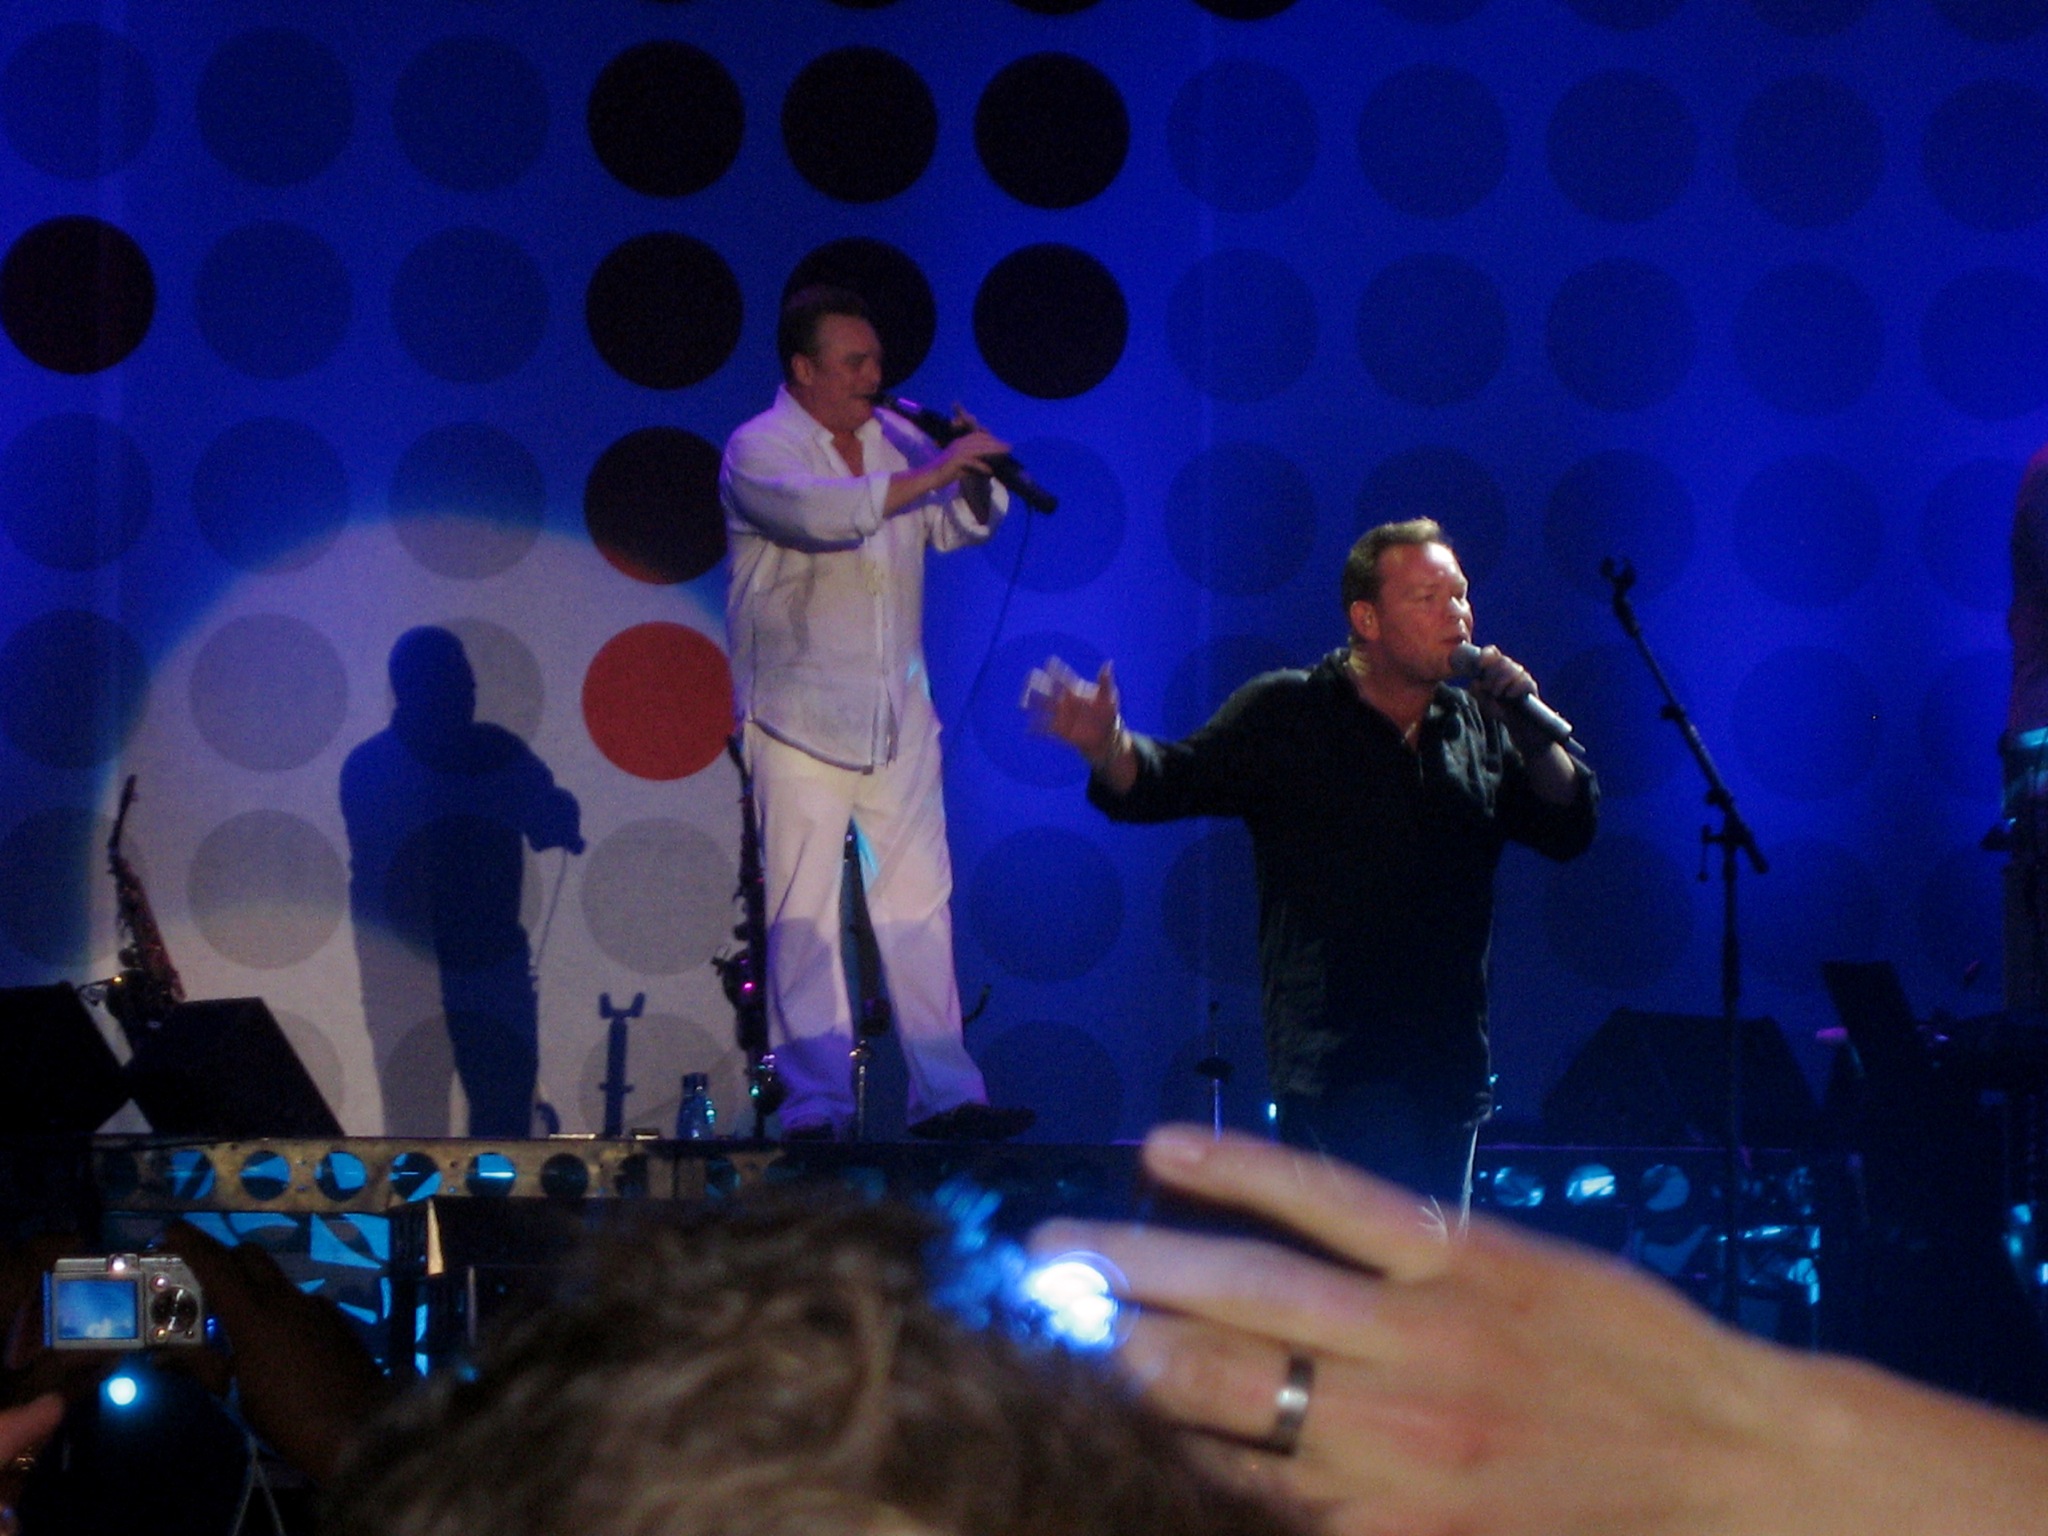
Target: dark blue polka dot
(78, 101)
(1452, 487)
(270, 495)
(1625, 15)
(1624, 506)
(1807, 722)
(1810, 151)
(1433, 141)
(471, 113)
(268, 692)
(1620, 334)
(1960, 718)
(273, 300)
(1242, 136)
(1613, 703)
(49, 862)
(1046, 904)
(1995, 21)
(1432, 330)
(71, 686)
(1073, 548)
(1963, 532)
(468, 500)
(1984, 343)
(1809, 340)
(1619, 916)
(1809, 531)
(1986, 155)
(1821, 902)
(1240, 518)
(74, 492)
(1622, 146)
(1961, 912)
(1811, 18)
(1002, 729)
(470, 305)
(1242, 325)
(275, 107)
(1061, 1071)
(1209, 907)
(1217, 668)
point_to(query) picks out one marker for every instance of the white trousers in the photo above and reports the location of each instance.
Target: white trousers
(899, 812)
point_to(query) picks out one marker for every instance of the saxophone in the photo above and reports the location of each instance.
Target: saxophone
(147, 986)
(744, 971)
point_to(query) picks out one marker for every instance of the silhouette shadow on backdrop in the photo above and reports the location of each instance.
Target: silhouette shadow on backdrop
(436, 805)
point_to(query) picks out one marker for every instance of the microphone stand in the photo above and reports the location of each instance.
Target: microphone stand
(1733, 835)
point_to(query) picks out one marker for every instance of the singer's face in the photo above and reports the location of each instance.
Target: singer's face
(837, 386)
(1422, 615)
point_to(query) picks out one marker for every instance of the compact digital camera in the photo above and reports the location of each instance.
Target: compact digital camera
(122, 1301)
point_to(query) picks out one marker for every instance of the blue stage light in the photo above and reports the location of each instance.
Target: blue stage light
(1517, 1189)
(1589, 1184)
(122, 1390)
(1076, 1296)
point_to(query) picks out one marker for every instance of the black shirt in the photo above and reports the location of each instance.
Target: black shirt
(1375, 870)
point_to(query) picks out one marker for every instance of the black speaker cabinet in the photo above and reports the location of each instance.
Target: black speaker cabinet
(1661, 1080)
(57, 1076)
(223, 1069)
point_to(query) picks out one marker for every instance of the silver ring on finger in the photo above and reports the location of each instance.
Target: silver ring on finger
(1290, 1406)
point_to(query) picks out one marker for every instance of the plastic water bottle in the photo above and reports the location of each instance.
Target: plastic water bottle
(696, 1117)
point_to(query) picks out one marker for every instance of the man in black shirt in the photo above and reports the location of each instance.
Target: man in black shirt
(1378, 799)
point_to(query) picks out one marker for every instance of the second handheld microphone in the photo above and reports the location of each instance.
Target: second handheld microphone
(943, 429)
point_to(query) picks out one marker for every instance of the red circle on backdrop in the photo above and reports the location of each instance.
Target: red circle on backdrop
(657, 700)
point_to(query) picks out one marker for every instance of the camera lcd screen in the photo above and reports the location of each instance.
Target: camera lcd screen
(97, 1309)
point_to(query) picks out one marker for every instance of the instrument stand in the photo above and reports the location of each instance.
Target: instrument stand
(1216, 1068)
(1732, 835)
(615, 1087)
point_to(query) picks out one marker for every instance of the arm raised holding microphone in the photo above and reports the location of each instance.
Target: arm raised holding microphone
(1379, 799)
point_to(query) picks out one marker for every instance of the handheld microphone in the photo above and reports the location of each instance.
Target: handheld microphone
(1465, 663)
(942, 429)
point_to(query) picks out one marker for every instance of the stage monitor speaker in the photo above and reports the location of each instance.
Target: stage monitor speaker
(224, 1069)
(1661, 1079)
(57, 1075)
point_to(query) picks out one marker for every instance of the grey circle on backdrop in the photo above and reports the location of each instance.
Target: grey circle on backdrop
(1620, 334)
(78, 101)
(1208, 906)
(270, 495)
(275, 107)
(273, 300)
(268, 692)
(1433, 141)
(1619, 916)
(1072, 549)
(1809, 530)
(1242, 325)
(1620, 504)
(1963, 533)
(267, 889)
(468, 500)
(1213, 671)
(1242, 135)
(1961, 715)
(1241, 519)
(1822, 902)
(74, 491)
(509, 689)
(1807, 722)
(1451, 487)
(1432, 329)
(1622, 146)
(1810, 151)
(48, 863)
(469, 305)
(658, 896)
(1809, 339)
(1076, 908)
(317, 1055)
(72, 684)
(471, 113)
